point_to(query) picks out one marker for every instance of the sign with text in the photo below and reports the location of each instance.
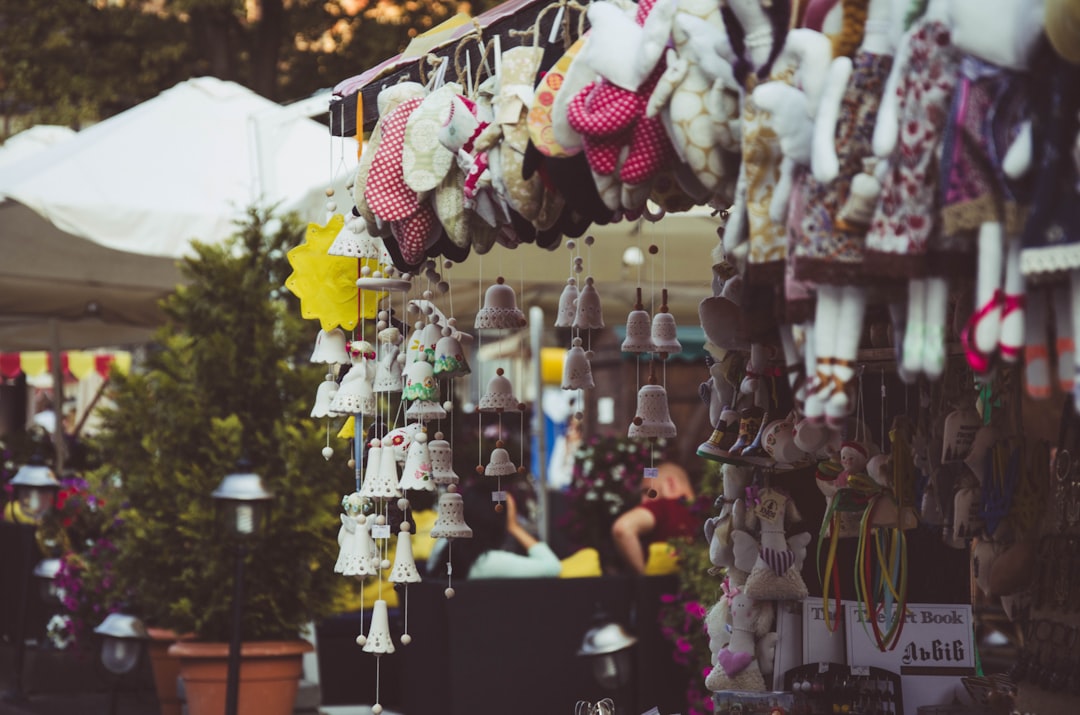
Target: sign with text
(820, 643)
(935, 650)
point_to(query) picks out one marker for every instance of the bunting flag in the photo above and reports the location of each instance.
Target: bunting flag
(75, 364)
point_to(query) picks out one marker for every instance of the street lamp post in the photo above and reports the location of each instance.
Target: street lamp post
(607, 646)
(122, 645)
(245, 503)
(35, 488)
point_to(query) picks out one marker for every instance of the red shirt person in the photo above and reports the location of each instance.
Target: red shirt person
(665, 516)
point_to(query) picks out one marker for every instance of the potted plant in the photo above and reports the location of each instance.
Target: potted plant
(229, 379)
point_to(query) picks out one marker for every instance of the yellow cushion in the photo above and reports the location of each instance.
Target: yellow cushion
(583, 563)
(662, 560)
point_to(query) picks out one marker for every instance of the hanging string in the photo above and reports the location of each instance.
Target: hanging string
(882, 376)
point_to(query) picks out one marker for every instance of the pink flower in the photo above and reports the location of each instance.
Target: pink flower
(667, 598)
(695, 609)
(683, 645)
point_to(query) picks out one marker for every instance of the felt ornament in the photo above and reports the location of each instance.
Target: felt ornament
(471, 137)
(776, 572)
(697, 97)
(425, 161)
(625, 149)
(552, 94)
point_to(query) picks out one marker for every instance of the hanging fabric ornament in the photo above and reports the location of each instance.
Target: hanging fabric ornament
(589, 315)
(324, 396)
(450, 356)
(577, 372)
(638, 330)
(499, 395)
(385, 483)
(442, 461)
(330, 348)
(416, 474)
(664, 333)
(500, 311)
(564, 318)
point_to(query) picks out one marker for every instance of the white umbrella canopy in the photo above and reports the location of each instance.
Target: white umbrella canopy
(91, 226)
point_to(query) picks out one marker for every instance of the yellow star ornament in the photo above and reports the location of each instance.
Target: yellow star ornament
(325, 284)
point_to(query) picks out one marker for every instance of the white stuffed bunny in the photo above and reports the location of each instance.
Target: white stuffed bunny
(737, 666)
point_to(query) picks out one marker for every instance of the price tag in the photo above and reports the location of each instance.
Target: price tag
(499, 496)
(860, 670)
(652, 472)
(449, 569)
(380, 531)
(822, 667)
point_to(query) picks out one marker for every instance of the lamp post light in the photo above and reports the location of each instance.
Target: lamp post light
(45, 573)
(35, 487)
(244, 503)
(607, 645)
(123, 639)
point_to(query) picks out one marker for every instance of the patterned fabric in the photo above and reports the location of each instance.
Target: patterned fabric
(904, 221)
(799, 295)
(989, 105)
(827, 250)
(424, 159)
(540, 117)
(777, 560)
(761, 171)
(387, 194)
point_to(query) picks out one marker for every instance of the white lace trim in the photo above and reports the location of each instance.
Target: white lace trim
(1050, 259)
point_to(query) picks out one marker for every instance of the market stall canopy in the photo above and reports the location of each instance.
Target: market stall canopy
(354, 106)
(91, 227)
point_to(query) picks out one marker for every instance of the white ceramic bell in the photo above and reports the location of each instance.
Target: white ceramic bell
(442, 461)
(577, 372)
(499, 463)
(355, 394)
(564, 318)
(589, 315)
(330, 348)
(388, 371)
(379, 641)
(353, 241)
(665, 335)
(450, 522)
(420, 383)
(450, 356)
(429, 338)
(373, 460)
(425, 411)
(500, 311)
(638, 330)
(397, 440)
(652, 419)
(404, 569)
(385, 483)
(499, 395)
(359, 555)
(416, 474)
(324, 396)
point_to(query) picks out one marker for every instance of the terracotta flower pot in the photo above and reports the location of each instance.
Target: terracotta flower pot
(269, 675)
(166, 668)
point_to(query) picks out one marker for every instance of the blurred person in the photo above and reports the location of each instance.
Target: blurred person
(640, 535)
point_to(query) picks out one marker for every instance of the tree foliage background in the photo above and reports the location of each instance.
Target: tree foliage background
(73, 62)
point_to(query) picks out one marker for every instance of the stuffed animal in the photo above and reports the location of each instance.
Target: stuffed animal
(737, 666)
(776, 573)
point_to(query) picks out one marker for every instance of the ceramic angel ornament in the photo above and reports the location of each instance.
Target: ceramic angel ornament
(358, 555)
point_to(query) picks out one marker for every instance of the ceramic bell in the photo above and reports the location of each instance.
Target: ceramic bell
(665, 336)
(324, 396)
(638, 330)
(359, 555)
(429, 339)
(652, 419)
(499, 395)
(500, 464)
(450, 356)
(500, 311)
(378, 637)
(353, 241)
(330, 348)
(388, 377)
(397, 440)
(374, 460)
(564, 318)
(355, 394)
(416, 474)
(450, 522)
(577, 372)
(404, 569)
(425, 411)
(442, 461)
(589, 315)
(420, 383)
(385, 483)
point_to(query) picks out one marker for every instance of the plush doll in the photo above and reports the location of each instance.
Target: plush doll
(829, 245)
(777, 560)
(983, 162)
(737, 666)
(625, 149)
(766, 51)
(904, 241)
(732, 517)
